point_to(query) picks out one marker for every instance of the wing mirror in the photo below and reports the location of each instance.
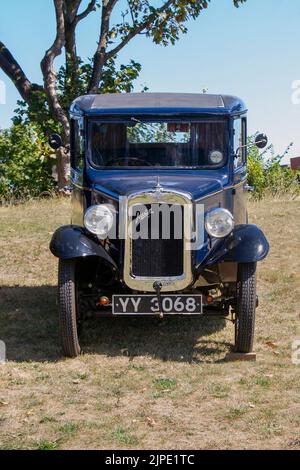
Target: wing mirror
(261, 141)
(55, 141)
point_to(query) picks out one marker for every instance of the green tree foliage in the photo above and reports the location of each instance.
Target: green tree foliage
(115, 79)
(25, 163)
(267, 175)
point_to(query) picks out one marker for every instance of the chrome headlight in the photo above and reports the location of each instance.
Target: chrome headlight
(215, 157)
(99, 219)
(219, 223)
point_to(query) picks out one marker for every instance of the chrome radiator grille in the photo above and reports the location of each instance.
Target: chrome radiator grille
(159, 257)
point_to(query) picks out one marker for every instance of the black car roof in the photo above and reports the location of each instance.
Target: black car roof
(144, 103)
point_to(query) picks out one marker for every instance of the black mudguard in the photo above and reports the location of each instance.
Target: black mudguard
(71, 242)
(246, 244)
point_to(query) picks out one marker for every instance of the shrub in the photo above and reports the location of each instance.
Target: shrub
(25, 163)
(268, 176)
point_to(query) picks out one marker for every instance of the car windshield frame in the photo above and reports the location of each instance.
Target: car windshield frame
(172, 118)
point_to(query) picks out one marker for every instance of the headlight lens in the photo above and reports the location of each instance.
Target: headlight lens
(99, 219)
(215, 157)
(219, 223)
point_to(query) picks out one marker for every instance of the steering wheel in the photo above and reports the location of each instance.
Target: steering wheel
(135, 159)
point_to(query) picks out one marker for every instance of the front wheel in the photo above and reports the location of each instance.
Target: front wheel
(68, 308)
(245, 307)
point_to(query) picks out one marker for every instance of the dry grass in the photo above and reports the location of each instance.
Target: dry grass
(145, 383)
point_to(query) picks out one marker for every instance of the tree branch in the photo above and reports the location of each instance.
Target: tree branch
(138, 29)
(71, 9)
(131, 13)
(70, 14)
(13, 70)
(100, 55)
(47, 66)
(91, 7)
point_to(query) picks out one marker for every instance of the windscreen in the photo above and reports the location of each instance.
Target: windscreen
(138, 143)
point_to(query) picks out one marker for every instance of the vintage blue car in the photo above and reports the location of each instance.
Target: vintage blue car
(159, 212)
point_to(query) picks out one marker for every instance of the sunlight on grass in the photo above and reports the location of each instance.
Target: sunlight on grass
(123, 436)
(164, 384)
(172, 388)
(46, 445)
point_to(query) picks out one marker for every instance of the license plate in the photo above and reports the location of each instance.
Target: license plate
(148, 304)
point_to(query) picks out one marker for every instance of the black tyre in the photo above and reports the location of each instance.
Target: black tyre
(245, 307)
(67, 308)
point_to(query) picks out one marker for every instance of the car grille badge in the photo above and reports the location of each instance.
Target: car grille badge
(158, 190)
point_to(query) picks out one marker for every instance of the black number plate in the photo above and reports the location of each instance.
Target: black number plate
(148, 304)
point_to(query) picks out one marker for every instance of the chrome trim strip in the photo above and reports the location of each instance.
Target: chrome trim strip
(171, 283)
(225, 188)
(114, 197)
(233, 186)
(209, 195)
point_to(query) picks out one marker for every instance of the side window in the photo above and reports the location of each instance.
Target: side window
(77, 143)
(240, 141)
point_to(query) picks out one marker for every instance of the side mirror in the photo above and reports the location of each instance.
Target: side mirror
(55, 141)
(261, 141)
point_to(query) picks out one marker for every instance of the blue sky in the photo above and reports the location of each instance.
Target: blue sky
(252, 52)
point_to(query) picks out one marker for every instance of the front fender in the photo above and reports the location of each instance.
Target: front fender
(71, 242)
(246, 244)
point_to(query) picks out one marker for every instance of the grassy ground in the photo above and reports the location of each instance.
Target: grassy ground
(145, 383)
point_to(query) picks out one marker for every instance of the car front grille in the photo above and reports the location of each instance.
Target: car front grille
(159, 257)
(162, 255)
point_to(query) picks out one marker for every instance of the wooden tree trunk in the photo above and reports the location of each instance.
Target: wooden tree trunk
(49, 76)
(63, 168)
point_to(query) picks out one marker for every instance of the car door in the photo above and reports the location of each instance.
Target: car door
(77, 169)
(240, 170)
